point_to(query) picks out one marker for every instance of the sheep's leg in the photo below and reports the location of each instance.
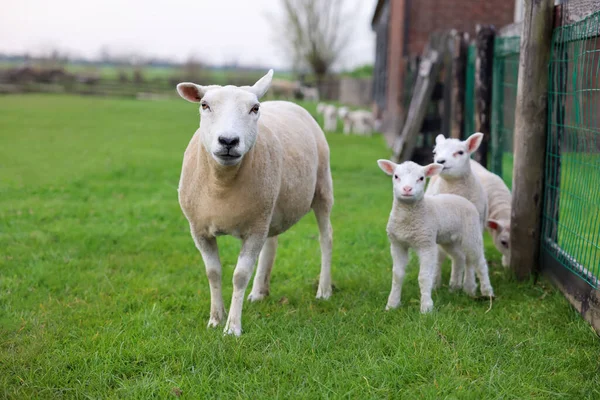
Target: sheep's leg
(210, 255)
(427, 260)
(260, 287)
(458, 266)
(469, 284)
(481, 267)
(437, 281)
(347, 127)
(241, 276)
(400, 259)
(326, 240)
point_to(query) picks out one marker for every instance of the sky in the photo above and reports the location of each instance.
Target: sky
(215, 31)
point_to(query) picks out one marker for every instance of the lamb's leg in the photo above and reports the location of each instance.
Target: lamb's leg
(260, 288)
(427, 260)
(458, 266)
(469, 284)
(210, 255)
(481, 267)
(323, 212)
(400, 259)
(437, 281)
(241, 276)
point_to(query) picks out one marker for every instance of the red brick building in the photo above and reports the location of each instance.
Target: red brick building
(402, 28)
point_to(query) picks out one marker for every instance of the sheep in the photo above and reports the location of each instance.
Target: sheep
(360, 122)
(252, 170)
(309, 93)
(343, 114)
(499, 204)
(423, 222)
(457, 178)
(329, 112)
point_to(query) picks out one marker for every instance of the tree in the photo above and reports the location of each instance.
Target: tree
(315, 33)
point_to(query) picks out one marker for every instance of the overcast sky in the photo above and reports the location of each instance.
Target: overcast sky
(217, 31)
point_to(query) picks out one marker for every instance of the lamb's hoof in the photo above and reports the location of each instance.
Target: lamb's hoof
(426, 307)
(231, 329)
(252, 297)
(389, 306)
(454, 286)
(216, 319)
(487, 292)
(324, 293)
(470, 290)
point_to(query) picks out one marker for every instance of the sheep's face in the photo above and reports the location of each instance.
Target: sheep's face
(501, 235)
(409, 178)
(454, 154)
(228, 117)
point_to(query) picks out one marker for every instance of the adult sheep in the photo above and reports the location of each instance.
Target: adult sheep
(252, 171)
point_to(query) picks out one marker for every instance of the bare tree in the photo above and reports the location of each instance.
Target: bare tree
(315, 33)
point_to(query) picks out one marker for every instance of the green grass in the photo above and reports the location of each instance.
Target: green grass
(103, 294)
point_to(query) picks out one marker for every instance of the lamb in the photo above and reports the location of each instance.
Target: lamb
(457, 178)
(329, 112)
(424, 222)
(499, 203)
(359, 121)
(252, 171)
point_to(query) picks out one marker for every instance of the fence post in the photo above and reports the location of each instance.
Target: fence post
(459, 75)
(497, 114)
(530, 137)
(484, 42)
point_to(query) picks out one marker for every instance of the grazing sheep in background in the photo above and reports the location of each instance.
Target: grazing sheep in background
(499, 205)
(363, 122)
(252, 171)
(309, 93)
(424, 222)
(284, 89)
(330, 118)
(343, 115)
(457, 178)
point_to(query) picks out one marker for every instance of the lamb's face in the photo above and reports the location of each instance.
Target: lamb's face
(228, 123)
(454, 154)
(229, 117)
(409, 178)
(501, 236)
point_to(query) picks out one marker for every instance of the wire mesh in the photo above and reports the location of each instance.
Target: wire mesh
(504, 101)
(469, 121)
(571, 213)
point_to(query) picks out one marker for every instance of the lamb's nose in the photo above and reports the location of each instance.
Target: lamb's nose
(440, 161)
(407, 189)
(229, 141)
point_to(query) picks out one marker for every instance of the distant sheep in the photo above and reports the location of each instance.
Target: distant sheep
(499, 204)
(360, 122)
(252, 171)
(424, 222)
(457, 178)
(329, 112)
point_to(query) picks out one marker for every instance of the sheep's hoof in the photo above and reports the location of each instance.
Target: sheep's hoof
(426, 307)
(487, 292)
(454, 286)
(216, 319)
(470, 290)
(252, 297)
(389, 306)
(324, 293)
(231, 329)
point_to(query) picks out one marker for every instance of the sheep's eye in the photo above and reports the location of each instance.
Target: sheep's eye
(421, 178)
(395, 176)
(205, 106)
(461, 152)
(504, 243)
(255, 109)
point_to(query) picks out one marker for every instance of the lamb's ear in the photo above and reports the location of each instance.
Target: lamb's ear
(191, 92)
(494, 225)
(473, 142)
(387, 166)
(432, 169)
(439, 139)
(262, 85)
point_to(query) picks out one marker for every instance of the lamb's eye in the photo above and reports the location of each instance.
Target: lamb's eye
(255, 109)
(504, 243)
(205, 106)
(395, 176)
(461, 152)
(421, 179)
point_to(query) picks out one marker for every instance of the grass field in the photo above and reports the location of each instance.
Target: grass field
(103, 294)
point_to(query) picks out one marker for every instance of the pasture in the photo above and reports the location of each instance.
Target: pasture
(103, 293)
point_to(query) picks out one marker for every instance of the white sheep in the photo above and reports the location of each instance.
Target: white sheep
(329, 112)
(457, 178)
(360, 122)
(252, 171)
(424, 222)
(499, 205)
(343, 114)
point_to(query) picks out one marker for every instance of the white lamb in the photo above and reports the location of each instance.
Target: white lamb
(457, 178)
(499, 204)
(329, 112)
(252, 171)
(424, 222)
(360, 122)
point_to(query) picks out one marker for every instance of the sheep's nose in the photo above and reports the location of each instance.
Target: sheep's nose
(229, 141)
(440, 161)
(407, 189)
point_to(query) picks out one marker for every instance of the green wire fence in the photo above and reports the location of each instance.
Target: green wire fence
(571, 213)
(469, 121)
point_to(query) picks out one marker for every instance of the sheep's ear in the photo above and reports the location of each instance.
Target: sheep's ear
(387, 166)
(473, 142)
(263, 84)
(432, 169)
(439, 139)
(494, 225)
(191, 92)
